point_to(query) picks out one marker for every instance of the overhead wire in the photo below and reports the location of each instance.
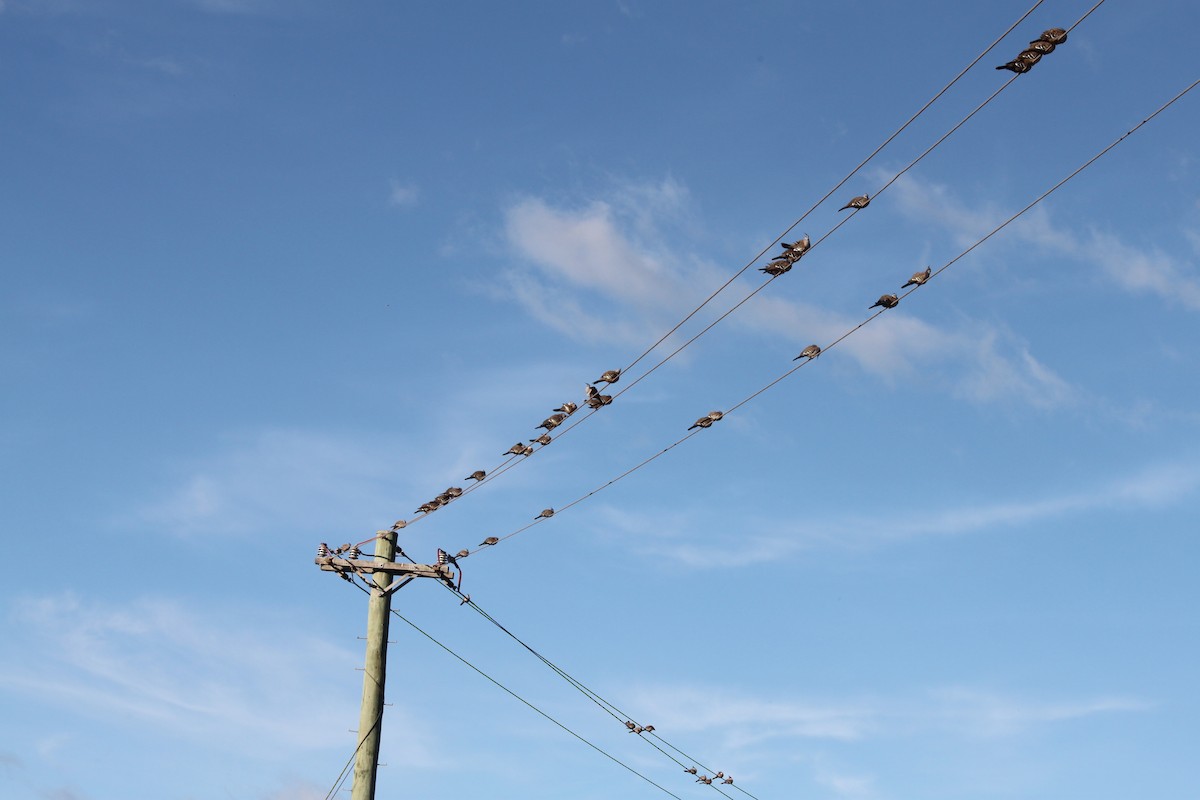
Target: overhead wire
(870, 318)
(607, 706)
(513, 460)
(497, 683)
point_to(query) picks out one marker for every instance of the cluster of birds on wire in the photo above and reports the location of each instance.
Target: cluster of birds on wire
(778, 265)
(1042, 46)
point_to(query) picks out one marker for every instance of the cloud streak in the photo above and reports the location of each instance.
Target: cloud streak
(606, 272)
(662, 536)
(1137, 268)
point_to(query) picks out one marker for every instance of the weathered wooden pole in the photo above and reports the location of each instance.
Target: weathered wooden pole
(370, 718)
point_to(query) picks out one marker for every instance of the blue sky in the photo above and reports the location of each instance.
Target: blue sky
(278, 271)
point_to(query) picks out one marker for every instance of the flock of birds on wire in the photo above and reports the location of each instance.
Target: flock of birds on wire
(779, 264)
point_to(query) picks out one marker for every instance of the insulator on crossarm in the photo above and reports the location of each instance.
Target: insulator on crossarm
(441, 556)
(353, 553)
(322, 550)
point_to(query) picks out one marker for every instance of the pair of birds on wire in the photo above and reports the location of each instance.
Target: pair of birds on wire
(893, 300)
(639, 729)
(1041, 46)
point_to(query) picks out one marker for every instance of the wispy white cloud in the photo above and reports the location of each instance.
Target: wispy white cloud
(1141, 267)
(262, 686)
(403, 195)
(674, 535)
(608, 272)
(742, 722)
(273, 480)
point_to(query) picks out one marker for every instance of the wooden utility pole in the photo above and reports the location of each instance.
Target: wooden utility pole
(384, 571)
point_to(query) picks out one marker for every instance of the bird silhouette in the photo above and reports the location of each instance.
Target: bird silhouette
(690, 770)
(567, 408)
(918, 278)
(543, 440)
(777, 268)
(649, 729)
(862, 201)
(887, 301)
(810, 352)
(489, 541)
(610, 376)
(707, 420)
(547, 513)
(728, 780)
(477, 475)
(1054, 36)
(553, 421)
(1016, 65)
(718, 775)
(630, 724)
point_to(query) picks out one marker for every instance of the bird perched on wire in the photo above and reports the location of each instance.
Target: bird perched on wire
(1053, 36)
(453, 492)
(648, 728)
(690, 770)
(427, 508)
(489, 541)
(599, 400)
(793, 251)
(1045, 48)
(462, 553)
(610, 376)
(728, 780)
(719, 775)
(707, 420)
(547, 513)
(516, 450)
(810, 352)
(707, 781)
(543, 440)
(1029, 56)
(918, 278)
(553, 421)
(777, 268)
(443, 499)
(589, 392)
(567, 408)
(526, 451)
(887, 301)
(630, 724)
(1016, 65)
(398, 524)
(862, 201)
(477, 475)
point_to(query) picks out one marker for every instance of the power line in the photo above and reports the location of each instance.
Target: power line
(513, 460)
(590, 744)
(873, 316)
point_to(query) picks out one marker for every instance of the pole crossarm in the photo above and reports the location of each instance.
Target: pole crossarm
(441, 572)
